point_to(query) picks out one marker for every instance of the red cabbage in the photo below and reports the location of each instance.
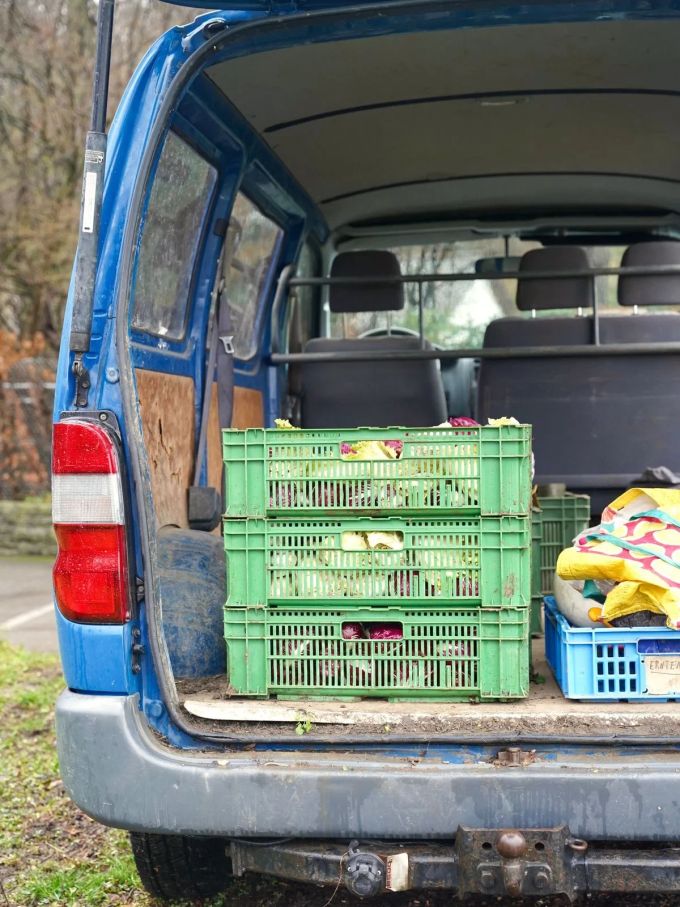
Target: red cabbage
(385, 631)
(462, 421)
(352, 631)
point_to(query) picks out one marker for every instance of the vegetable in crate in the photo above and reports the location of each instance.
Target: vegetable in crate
(371, 450)
(436, 472)
(461, 422)
(352, 631)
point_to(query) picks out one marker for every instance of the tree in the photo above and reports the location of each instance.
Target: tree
(45, 91)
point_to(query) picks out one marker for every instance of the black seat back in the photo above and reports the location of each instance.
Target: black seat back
(600, 421)
(370, 393)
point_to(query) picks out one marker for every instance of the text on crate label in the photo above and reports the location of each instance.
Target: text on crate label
(663, 675)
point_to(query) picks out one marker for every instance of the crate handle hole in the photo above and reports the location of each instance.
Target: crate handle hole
(384, 632)
(372, 540)
(348, 449)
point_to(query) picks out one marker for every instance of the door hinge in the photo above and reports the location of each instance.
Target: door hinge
(82, 377)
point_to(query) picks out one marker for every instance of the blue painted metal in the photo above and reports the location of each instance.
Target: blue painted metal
(510, 10)
(95, 659)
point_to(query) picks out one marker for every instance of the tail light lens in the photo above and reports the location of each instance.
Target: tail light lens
(91, 570)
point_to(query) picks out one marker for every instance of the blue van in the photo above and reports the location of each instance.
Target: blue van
(346, 214)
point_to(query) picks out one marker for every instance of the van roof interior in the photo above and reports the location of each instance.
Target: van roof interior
(467, 125)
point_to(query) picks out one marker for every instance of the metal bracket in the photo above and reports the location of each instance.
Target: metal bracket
(514, 757)
(519, 863)
(82, 377)
(138, 651)
(227, 341)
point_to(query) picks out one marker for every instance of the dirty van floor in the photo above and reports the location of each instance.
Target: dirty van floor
(52, 855)
(545, 711)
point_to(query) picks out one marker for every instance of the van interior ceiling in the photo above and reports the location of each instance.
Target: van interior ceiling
(419, 232)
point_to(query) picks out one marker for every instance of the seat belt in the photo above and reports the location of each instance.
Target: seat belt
(225, 360)
(204, 503)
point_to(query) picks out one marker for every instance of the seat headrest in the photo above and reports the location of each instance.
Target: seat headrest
(650, 289)
(562, 292)
(375, 297)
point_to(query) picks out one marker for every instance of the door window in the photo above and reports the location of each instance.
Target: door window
(180, 195)
(254, 240)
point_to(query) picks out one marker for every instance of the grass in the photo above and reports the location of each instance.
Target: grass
(52, 854)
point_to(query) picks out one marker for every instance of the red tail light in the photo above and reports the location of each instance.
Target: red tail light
(91, 570)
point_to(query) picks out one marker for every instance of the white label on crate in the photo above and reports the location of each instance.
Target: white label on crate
(397, 872)
(663, 675)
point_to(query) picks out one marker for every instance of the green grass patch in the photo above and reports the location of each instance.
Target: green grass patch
(113, 876)
(50, 852)
(52, 855)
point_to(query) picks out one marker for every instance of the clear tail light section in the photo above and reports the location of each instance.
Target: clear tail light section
(91, 570)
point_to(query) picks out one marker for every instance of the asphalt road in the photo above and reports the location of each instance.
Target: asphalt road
(26, 609)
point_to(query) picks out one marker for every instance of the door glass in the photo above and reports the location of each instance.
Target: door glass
(304, 306)
(180, 195)
(254, 239)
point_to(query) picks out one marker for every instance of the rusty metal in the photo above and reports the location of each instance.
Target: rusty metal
(507, 862)
(364, 872)
(514, 757)
(635, 871)
(518, 863)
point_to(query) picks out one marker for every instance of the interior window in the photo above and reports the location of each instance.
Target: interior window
(254, 239)
(178, 202)
(303, 306)
(454, 314)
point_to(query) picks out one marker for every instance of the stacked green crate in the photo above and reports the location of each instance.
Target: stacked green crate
(536, 619)
(435, 540)
(466, 653)
(554, 527)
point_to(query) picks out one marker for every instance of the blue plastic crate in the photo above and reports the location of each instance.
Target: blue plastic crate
(611, 663)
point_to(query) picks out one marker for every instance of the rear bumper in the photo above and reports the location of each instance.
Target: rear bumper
(122, 775)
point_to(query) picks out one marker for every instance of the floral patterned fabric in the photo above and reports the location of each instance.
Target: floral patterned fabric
(636, 546)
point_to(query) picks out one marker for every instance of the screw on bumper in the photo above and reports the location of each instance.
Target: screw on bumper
(509, 862)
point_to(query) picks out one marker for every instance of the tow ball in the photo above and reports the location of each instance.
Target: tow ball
(518, 863)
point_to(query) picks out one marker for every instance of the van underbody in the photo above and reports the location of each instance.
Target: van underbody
(361, 782)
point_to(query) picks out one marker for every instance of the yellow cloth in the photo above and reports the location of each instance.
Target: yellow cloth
(637, 546)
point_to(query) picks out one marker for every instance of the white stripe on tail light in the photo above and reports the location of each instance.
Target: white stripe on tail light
(90, 572)
(87, 499)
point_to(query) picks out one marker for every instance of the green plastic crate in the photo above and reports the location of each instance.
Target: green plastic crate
(440, 470)
(553, 528)
(476, 653)
(562, 519)
(455, 561)
(536, 621)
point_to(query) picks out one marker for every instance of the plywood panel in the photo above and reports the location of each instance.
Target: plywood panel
(248, 409)
(166, 404)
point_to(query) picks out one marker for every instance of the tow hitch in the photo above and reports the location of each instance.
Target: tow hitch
(512, 862)
(518, 864)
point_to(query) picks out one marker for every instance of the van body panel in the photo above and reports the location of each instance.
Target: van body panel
(96, 658)
(599, 793)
